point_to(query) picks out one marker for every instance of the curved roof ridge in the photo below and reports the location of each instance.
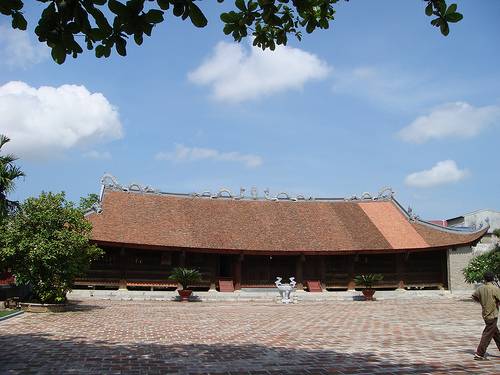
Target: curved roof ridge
(110, 182)
(453, 230)
(276, 198)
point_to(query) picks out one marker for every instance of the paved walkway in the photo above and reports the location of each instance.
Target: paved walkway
(127, 337)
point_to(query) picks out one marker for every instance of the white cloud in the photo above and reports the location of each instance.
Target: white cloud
(236, 73)
(18, 50)
(97, 155)
(190, 154)
(444, 172)
(451, 120)
(46, 121)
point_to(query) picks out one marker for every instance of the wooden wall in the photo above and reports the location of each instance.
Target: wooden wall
(411, 269)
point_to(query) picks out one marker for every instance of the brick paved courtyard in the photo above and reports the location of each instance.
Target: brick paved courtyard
(125, 337)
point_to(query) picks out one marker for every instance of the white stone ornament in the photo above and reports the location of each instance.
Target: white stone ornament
(286, 289)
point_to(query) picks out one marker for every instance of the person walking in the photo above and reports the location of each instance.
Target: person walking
(488, 295)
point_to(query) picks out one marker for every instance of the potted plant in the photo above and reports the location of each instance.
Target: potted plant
(368, 281)
(185, 277)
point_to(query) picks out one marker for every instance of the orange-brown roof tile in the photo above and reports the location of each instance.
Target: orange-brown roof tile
(260, 226)
(393, 225)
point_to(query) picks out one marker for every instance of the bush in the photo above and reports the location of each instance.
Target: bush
(47, 246)
(368, 280)
(185, 276)
(489, 261)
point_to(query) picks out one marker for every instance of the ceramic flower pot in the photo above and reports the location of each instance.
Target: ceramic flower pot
(368, 293)
(184, 293)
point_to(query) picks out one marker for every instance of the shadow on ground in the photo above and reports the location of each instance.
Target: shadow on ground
(42, 354)
(76, 305)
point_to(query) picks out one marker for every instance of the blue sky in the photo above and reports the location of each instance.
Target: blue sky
(380, 99)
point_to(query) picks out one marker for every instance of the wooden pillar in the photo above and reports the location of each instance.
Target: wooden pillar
(350, 269)
(444, 269)
(401, 258)
(217, 266)
(237, 271)
(182, 259)
(322, 271)
(182, 263)
(268, 268)
(214, 262)
(299, 272)
(123, 269)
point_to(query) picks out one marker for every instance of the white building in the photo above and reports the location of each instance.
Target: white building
(477, 219)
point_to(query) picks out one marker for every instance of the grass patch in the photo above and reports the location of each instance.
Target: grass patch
(7, 312)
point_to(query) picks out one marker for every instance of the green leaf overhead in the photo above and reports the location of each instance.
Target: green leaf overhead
(197, 17)
(106, 25)
(154, 16)
(443, 13)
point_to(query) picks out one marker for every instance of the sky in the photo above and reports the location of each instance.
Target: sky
(380, 99)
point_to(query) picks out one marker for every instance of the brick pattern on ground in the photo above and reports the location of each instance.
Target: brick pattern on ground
(424, 336)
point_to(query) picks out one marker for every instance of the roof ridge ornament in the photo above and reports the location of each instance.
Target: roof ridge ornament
(386, 193)
(277, 196)
(254, 192)
(242, 193)
(110, 181)
(96, 207)
(254, 195)
(223, 191)
(267, 194)
(411, 215)
(366, 195)
(475, 226)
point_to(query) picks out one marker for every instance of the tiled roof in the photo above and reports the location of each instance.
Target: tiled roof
(264, 226)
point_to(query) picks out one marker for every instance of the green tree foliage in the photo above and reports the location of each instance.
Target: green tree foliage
(68, 26)
(46, 243)
(87, 202)
(9, 173)
(489, 261)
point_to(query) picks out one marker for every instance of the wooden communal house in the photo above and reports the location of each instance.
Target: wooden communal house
(249, 241)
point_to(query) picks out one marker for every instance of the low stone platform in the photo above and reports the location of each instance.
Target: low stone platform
(256, 296)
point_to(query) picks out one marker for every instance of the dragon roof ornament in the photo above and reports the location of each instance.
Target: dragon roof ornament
(384, 193)
(228, 194)
(111, 182)
(223, 191)
(411, 215)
